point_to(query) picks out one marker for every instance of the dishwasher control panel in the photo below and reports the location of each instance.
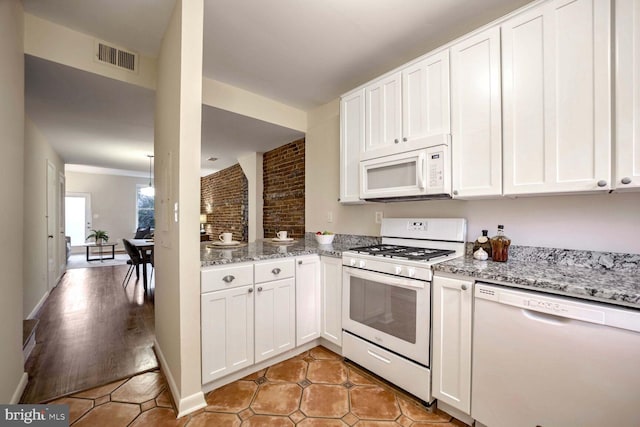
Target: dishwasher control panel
(553, 305)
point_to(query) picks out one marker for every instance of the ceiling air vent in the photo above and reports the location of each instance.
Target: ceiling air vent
(115, 56)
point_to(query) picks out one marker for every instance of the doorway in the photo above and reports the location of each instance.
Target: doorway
(77, 223)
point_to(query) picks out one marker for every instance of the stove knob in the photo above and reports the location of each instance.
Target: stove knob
(352, 262)
(361, 264)
(398, 269)
(411, 272)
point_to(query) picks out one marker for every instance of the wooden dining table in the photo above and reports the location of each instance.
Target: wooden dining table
(145, 246)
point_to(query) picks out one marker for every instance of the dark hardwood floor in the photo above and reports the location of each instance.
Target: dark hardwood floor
(91, 332)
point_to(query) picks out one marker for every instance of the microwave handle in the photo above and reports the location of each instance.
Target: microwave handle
(422, 178)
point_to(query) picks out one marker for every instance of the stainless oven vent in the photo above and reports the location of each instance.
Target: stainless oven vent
(115, 56)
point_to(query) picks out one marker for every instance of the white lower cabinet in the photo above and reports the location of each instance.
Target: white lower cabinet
(227, 331)
(243, 323)
(452, 329)
(331, 288)
(274, 318)
(308, 299)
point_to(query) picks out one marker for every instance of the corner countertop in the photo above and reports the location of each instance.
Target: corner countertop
(619, 286)
(266, 249)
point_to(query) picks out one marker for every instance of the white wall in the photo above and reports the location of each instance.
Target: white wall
(113, 201)
(37, 153)
(602, 222)
(177, 177)
(12, 375)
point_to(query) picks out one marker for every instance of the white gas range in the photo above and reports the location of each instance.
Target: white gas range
(387, 298)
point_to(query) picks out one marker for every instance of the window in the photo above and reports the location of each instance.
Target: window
(145, 216)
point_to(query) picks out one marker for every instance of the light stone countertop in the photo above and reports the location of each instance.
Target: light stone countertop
(597, 281)
(264, 249)
(597, 276)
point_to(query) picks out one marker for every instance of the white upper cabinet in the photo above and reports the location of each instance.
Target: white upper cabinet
(409, 109)
(383, 115)
(627, 94)
(425, 100)
(557, 98)
(351, 144)
(476, 109)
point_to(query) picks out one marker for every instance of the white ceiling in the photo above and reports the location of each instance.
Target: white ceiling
(302, 53)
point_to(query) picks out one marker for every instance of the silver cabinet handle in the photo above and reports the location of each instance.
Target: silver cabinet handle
(259, 288)
(228, 279)
(464, 287)
(396, 140)
(602, 183)
(455, 192)
(250, 290)
(276, 270)
(626, 180)
(299, 262)
(404, 139)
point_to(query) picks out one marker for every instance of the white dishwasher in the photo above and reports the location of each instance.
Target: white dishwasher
(550, 361)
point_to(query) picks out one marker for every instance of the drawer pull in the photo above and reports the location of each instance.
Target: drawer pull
(228, 279)
(259, 288)
(464, 287)
(250, 290)
(377, 356)
(276, 270)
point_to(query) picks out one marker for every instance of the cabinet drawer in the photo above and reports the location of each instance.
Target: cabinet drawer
(218, 278)
(274, 270)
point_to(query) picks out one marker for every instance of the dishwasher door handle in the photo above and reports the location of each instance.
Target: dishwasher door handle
(550, 319)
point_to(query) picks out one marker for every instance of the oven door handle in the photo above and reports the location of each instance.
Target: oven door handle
(385, 278)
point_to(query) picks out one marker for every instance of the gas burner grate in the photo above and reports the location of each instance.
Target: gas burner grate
(403, 252)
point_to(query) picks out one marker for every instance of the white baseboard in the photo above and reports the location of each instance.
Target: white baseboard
(38, 306)
(20, 389)
(185, 405)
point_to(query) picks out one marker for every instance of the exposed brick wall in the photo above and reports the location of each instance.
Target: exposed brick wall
(224, 197)
(283, 170)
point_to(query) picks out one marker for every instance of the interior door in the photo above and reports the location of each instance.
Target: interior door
(62, 243)
(51, 217)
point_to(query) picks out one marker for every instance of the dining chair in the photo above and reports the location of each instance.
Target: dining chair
(134, 261)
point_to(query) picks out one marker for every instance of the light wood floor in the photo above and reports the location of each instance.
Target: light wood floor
(91, 332)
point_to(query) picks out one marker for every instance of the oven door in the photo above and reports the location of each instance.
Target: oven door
(392, 312)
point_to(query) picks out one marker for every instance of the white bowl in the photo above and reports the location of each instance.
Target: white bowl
(324, 239)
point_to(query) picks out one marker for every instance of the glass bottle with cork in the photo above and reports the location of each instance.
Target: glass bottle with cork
(500, 246)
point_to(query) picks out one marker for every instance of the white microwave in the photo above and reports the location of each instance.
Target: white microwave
(413, 175)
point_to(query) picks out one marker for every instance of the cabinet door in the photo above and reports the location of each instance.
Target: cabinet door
(274, 318)
(308, 299)
(351, 144)
(383, 116)
(452, 308)
(557, 98)
(627, 86)
(331, 319)
(425, 101)
(476, 115)
(227, 331)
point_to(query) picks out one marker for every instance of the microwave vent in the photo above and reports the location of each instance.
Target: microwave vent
(115, 56)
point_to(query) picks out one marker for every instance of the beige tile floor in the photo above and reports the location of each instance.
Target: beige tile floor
(316, 388)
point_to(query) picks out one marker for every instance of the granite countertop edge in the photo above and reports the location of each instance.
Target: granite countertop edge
(608, 286)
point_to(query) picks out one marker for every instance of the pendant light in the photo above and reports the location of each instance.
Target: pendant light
(149, 191)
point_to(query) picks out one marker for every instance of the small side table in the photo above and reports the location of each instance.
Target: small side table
(101, 251)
